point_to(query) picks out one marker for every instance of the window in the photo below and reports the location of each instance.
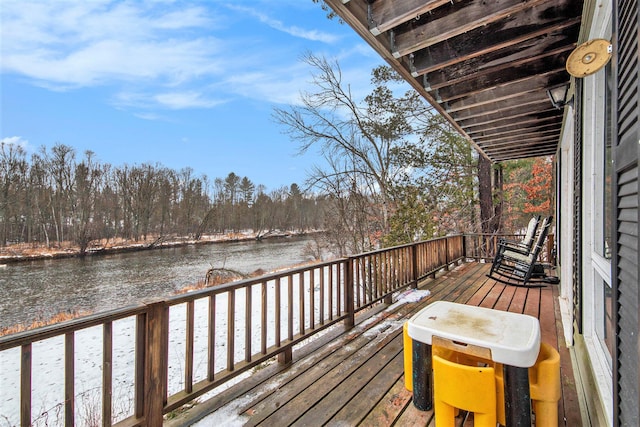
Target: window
(607, 224)
(601, 259)
(604, 317)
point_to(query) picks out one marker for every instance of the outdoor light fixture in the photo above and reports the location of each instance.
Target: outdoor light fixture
(558, 96)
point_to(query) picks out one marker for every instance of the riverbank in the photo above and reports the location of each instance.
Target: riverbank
(40, 290)
(28, 252)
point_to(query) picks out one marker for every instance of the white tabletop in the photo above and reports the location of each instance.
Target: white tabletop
(514, 339)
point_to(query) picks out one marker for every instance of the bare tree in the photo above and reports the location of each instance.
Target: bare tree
(13, 170)
(364, 133)
(60, 166)
(88, 176)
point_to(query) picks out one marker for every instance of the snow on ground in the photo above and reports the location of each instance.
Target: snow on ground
(48, 356)
(230, 415)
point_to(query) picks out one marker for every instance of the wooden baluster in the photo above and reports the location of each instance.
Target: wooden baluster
(357, 280)
(339, 274)
(188, 352)
(290, 305)
(69, 376)
(248, 291)
(211, 370)
(231, 328)
(322, 296)
(263, 320)
(278, 310)
(312, 300)
(301, 307)
(25, 385)
(107, 372)
(140, 360)
(330, 292)
(414, 266)
(388, 281)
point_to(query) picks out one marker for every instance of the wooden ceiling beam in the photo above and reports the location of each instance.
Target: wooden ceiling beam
(505, 125)
(517, 147)
(529, 99)
(514, 30)
(386, 14)
(532, 117)
(486, 66)
(505, 140)
(450, 21)
(513, 89)
(549, 138)
(511, 114)
(527, 52)
(471, 87)
(498, 132)
(507, 135)
(523, 156)
(525, 152)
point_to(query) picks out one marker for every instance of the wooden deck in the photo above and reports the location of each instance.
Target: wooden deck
(355, 377)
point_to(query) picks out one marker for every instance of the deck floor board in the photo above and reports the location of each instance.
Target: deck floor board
(357, 378)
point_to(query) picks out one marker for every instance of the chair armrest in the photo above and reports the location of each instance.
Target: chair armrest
(514, 246)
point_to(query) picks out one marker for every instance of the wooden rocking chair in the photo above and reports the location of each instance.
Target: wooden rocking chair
(527, 242)
(515, 265)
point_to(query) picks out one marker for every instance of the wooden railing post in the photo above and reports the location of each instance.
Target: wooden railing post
(446, 254)
(464, 248)
(414, 266)
(156, 348)
(349, 285)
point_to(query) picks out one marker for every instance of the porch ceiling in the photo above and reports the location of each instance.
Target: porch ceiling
(485, 65)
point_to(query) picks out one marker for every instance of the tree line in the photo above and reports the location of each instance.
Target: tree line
(55, 196)
(393, 171)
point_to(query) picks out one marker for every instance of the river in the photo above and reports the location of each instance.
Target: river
(40, 289)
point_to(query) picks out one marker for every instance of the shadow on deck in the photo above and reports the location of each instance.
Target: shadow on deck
(355, 377)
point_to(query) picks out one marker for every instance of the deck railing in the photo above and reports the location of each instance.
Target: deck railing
(482, 247)
(184, 346)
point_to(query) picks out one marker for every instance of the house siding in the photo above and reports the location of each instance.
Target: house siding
(626, 376)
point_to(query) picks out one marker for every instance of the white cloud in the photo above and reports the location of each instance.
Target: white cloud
(148, 116)
(180, 100)
(156, 55)
(175, 100)
(14, 140)
(313, 35)
(79, 44)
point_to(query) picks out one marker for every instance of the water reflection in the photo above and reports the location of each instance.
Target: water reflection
(40, 289)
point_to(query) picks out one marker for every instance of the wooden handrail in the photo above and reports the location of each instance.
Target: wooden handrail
(279, 310)
(482, 247)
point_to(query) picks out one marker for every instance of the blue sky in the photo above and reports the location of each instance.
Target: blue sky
(181, 83)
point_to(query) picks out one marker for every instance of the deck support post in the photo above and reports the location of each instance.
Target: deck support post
(155, 372)
(286, 356)
(349, 285)
(446, 254)
(414, 266)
